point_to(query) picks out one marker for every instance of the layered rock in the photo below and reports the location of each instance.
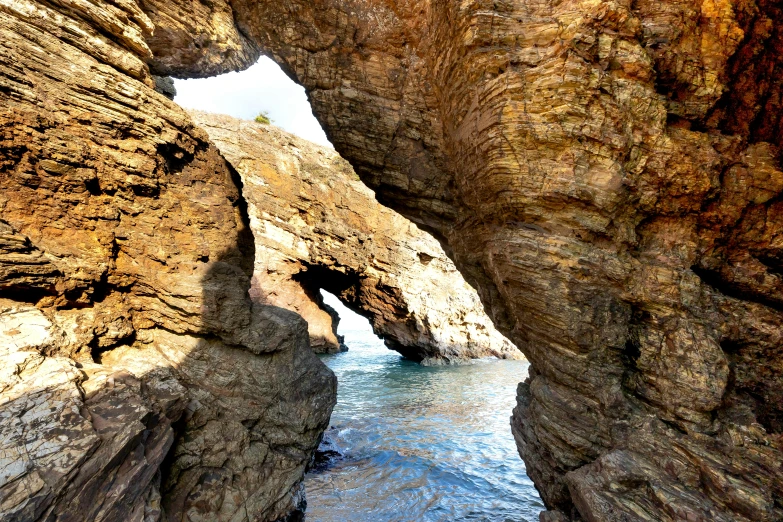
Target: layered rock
(139, 380)
(608, 174)
(316, 226)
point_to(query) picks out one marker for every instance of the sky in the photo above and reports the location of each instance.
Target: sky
(348, 320)
(262, 87)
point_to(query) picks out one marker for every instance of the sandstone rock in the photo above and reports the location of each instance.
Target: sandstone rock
(73, 450)
(608, 175)
(317, 226)
(144, 383)
(23, 268)
(245, 443)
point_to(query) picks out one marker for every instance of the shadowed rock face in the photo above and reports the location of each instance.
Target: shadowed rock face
(138, 378)
(608, 175)
(317, 226)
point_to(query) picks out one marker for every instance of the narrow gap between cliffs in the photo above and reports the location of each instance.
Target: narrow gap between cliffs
(428, 441)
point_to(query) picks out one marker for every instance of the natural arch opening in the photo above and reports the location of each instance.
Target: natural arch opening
(576, 183)
(353, 330)
(316, 226)
(319, 229)
(163, 386)
(261, 88)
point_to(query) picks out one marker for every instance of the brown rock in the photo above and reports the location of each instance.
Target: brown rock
(317, 226)
(78, 443)
(607, 174)
(144, 382)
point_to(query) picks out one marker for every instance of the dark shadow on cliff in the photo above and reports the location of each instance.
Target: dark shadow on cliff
(259, 389)
(192, 412)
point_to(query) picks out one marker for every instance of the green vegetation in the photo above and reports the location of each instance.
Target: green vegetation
(264, 118)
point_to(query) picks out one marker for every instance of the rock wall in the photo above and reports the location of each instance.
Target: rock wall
(317, 226)
(138, 379)
(608, 174)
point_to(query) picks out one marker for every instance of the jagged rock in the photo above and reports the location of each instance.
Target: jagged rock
(77, 441)
(317, 226)
(144, 384)
(165, 86)
(23, 268)
(608, 174)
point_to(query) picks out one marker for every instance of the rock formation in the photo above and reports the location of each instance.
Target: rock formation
(317, 226)
(608, 174)
(138, 378)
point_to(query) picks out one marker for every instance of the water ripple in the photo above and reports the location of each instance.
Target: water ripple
(428, 444)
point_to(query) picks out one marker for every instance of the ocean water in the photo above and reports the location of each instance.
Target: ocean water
(413, 443)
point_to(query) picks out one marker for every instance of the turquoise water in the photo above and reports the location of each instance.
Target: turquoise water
(420, 444)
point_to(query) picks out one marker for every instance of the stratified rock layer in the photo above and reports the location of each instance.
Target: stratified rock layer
(144, 383)
(316, 226)
(609, 175)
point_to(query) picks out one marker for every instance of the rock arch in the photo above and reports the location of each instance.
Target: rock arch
(608, 175)
(316, 226)
(623, 232)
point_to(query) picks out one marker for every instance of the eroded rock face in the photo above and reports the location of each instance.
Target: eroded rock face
(609, 175)
(144, 384)
(79, 442)
(317, 226)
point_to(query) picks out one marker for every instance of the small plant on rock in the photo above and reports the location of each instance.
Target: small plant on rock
(264, 118)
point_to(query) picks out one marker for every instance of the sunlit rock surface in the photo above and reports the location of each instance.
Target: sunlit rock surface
(139, 380)
(317, 226)
(609, 175)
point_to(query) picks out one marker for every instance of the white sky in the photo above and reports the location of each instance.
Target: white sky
(349, 321)
(262, 87)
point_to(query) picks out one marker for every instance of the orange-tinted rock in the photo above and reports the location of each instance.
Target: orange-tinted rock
(144, 379)
(608, 175)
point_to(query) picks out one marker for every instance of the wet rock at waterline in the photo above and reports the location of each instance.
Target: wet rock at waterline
(317, 226)
(608, 174)
(138, 378)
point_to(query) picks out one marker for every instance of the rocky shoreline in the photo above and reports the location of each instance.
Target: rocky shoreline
(606, 174)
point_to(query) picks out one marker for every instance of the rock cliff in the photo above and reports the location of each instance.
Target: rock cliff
(608, 174)
(316, 226)
(138, 377)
